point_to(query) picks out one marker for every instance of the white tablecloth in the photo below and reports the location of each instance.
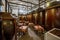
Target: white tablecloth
(23, 27)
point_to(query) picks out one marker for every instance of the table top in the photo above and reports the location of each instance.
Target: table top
(23, 27)
(38, 27)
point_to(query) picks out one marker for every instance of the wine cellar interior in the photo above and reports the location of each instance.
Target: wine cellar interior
(29, 19)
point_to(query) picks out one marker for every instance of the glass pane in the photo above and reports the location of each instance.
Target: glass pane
(0, 8)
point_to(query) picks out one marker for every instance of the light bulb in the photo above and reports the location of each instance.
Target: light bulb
(48, 3)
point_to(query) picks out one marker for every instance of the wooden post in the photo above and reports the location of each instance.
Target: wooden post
(5, 5)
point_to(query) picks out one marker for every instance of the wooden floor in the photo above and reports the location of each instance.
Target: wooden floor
(31, 35)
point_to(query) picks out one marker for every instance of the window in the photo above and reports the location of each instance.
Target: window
(0, 8)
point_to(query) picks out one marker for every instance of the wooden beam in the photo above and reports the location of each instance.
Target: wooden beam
(44, 2)
(5, 5)
(19, 4)
(22, 5)
(28, 2)
(13, 6)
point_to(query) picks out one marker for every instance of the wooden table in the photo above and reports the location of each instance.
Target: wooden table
(23, 28)
(38, 28)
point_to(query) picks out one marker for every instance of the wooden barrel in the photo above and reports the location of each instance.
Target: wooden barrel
(8, 25)
(0, 29)
(9, 29)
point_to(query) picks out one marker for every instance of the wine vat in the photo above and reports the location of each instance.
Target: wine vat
(8, 26)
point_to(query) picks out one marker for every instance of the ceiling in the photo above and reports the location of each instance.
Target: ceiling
(26, 6)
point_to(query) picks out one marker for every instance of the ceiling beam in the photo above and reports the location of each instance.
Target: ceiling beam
(19, 4)
(44, 2)
(28, 2)
(13, 6)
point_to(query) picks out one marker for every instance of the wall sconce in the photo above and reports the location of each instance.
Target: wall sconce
(4, 23)
(35, 15)
(48, 4)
